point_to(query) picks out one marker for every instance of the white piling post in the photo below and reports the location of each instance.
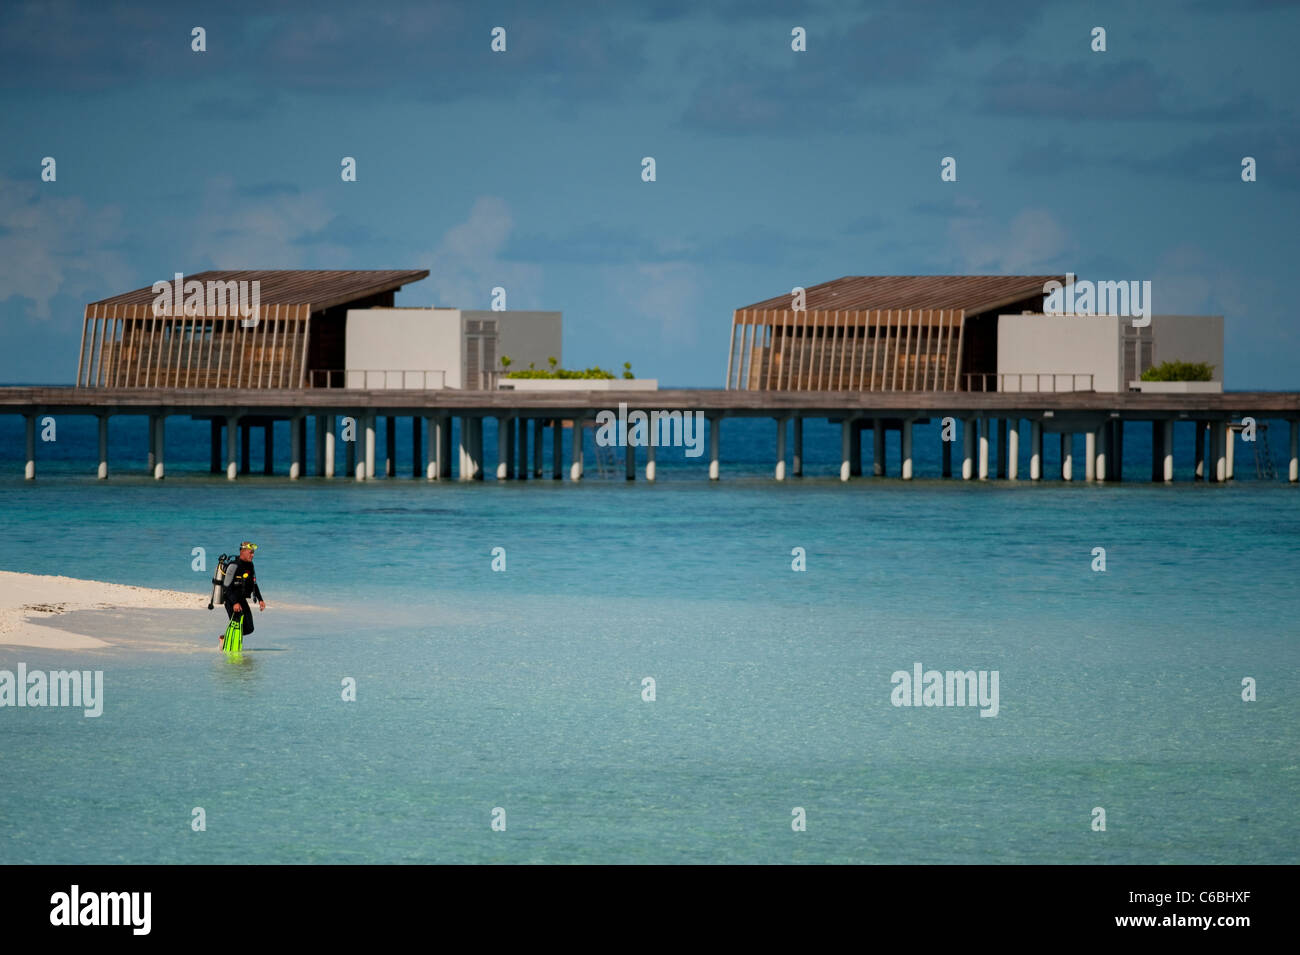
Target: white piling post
(295, 447)
(370, 446)
(984, 448)
(1090, 456)
(1230, 446)
(575, 466)
(650, 461)
(29, 470)
(433, 447)
(846, 445)
(328, 429)
(504, 426)
(1103, 446)
(1221, 450)
(1067, 456)
(905, 440)
(968, 428)
(780, 449)
(1013, 448)
(796, 466)
(160, 436)
(877, 448)
(1035, 450)
(1293, 470)
(714, 445)
(232, 447)
(1167, 439)
(103, 447)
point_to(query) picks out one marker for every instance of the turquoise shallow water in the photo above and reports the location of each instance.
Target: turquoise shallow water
(522, 689)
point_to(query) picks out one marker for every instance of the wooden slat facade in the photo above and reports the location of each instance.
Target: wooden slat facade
(837, 350)
(128, 346)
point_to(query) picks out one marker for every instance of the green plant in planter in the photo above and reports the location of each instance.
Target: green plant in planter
(627, 370)
(1179, 371)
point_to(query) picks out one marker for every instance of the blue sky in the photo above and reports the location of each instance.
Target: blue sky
(774, 168)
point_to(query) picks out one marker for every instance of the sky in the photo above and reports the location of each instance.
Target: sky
(774, 168)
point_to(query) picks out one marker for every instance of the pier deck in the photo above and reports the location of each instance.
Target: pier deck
(1097, 415)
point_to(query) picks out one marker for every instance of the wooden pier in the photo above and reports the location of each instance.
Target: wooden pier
(981, 419)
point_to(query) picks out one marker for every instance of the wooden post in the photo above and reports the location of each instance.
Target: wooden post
(1036, 450)
(1002, 447)
(1167, 444)
(1200, 451)
(905, 440)
(214, 446)
(504, 427)
(1293, 468)
(232, 435)
(329, 445)
(846, 448)
(538, 432)
(780, 449)
(29, 469)
(418, 465)
(796, 468)
(557, 443)
(371, 424)
(103, 445)
(969, 428)
(295, 447)
(350, 455)
(984, 449)
(390, 446)
(715, 470)
(320, 444)
(1011, 430)
(1157, 452)
(575, 467)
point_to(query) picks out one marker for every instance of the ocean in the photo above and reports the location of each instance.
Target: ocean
(519, 695)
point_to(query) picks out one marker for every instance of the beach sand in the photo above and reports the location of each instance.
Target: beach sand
(62, 613)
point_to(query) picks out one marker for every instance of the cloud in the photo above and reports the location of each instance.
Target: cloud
(468, 263)
(233, 230)
(1103, 90)
(1031, 242)
(51, 245)
(664, 294)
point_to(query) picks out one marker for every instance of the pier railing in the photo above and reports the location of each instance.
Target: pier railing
(367, 379)
(981, 381)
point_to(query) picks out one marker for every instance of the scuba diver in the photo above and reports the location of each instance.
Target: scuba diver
(240, 588)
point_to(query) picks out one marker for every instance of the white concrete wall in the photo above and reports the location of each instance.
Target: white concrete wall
(525, 337)
(1189, 338)
(1062, 345)
(404, 339)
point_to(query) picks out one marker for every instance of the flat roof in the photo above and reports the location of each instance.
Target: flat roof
(969, 293)
(320, 289)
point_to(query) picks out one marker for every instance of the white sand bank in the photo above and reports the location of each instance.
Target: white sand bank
(28, 598)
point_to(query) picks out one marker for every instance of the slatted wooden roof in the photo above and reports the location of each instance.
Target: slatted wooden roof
(969, 293)
(320, 289)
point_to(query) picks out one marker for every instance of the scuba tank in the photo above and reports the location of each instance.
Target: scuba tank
(222, 578)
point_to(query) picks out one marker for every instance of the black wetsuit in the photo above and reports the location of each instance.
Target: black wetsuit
(243, 590)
